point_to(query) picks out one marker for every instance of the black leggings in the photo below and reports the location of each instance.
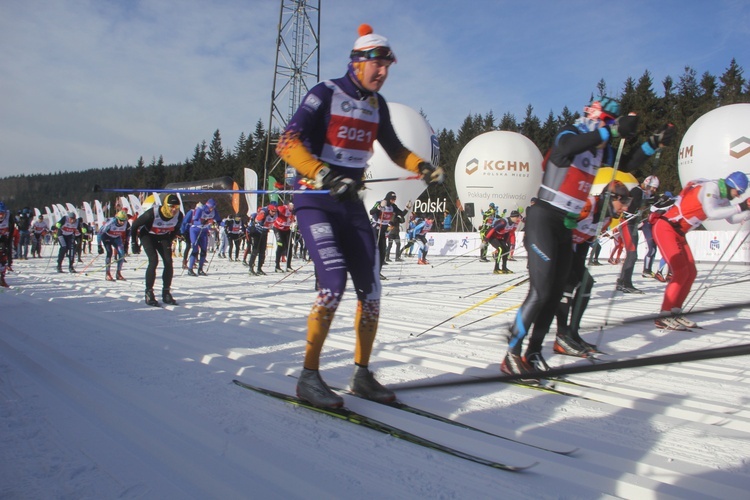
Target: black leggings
(577, 294)
(155, 247)
(549, 246)
(234, 243)
(502, 245)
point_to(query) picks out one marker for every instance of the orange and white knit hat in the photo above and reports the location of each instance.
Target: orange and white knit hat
(370, 45)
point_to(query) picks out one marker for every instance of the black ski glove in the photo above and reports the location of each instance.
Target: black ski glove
(743, 205)
(340, 187)
(135, 248)
(663, 137)
(431, 174)
(624, 126)
(100, 249)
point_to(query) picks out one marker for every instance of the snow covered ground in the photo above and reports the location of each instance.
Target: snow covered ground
(102, 396)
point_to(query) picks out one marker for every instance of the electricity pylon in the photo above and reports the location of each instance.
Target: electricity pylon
(297, 69)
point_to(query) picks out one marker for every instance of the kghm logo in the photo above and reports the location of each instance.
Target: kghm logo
(686, 152)
(509, 165)
(497, 166)
(739, 148)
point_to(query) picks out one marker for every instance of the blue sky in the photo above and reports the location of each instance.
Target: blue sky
(95, 83)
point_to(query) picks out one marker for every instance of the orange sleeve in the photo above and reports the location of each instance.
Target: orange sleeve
(293, 151)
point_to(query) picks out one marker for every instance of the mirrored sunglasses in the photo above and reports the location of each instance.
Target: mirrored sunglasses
(375, 53)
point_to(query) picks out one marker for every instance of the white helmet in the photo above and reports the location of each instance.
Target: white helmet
(651, 181)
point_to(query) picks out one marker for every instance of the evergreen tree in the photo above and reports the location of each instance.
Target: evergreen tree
(449, 149)
(531, 127)
(215, 157)
(566, 118)
(689, 93)
(156, 174)
(509, 123)
(731, 89)
(628, 98)
(547, 132)
(601, 89)
(708, 99)
(140, 174)
(488, 122)
(470, 128)
(259, 141)
(201, 168)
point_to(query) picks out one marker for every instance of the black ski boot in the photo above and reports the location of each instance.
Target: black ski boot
(167, 298)
(150, 299)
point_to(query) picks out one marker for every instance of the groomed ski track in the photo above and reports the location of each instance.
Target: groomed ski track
(114, 398)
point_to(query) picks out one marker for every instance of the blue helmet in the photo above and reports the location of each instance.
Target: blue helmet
(211, 203)
(738, 181)
(2, 207)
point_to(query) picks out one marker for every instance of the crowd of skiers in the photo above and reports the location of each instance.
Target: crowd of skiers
(328, 142)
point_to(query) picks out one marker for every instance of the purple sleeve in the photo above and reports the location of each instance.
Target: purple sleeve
(310, 121)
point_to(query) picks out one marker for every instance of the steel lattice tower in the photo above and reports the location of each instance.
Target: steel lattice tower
(297, 68)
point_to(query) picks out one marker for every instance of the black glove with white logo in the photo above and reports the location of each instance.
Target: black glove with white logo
(663, 137)
(340, 187)
(431, 174)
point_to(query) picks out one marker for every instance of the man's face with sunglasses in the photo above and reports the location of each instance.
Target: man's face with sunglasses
(376, 63)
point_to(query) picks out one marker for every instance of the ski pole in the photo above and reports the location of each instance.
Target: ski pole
(490, 287)
(599, 226)
(624, 220)
(483, 301)
(100, 268)
(663, 359)
(653, 316)
(455, 257)
(213, 254)
(390, 179)
(492, 315)
(51, 254)
(703, 284)
(90, 262)
(217, 191)
(289, 274)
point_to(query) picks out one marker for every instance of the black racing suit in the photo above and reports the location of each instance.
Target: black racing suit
(573, 161)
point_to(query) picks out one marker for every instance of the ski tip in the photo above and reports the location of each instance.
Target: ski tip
(568, 453)
(516, 468)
